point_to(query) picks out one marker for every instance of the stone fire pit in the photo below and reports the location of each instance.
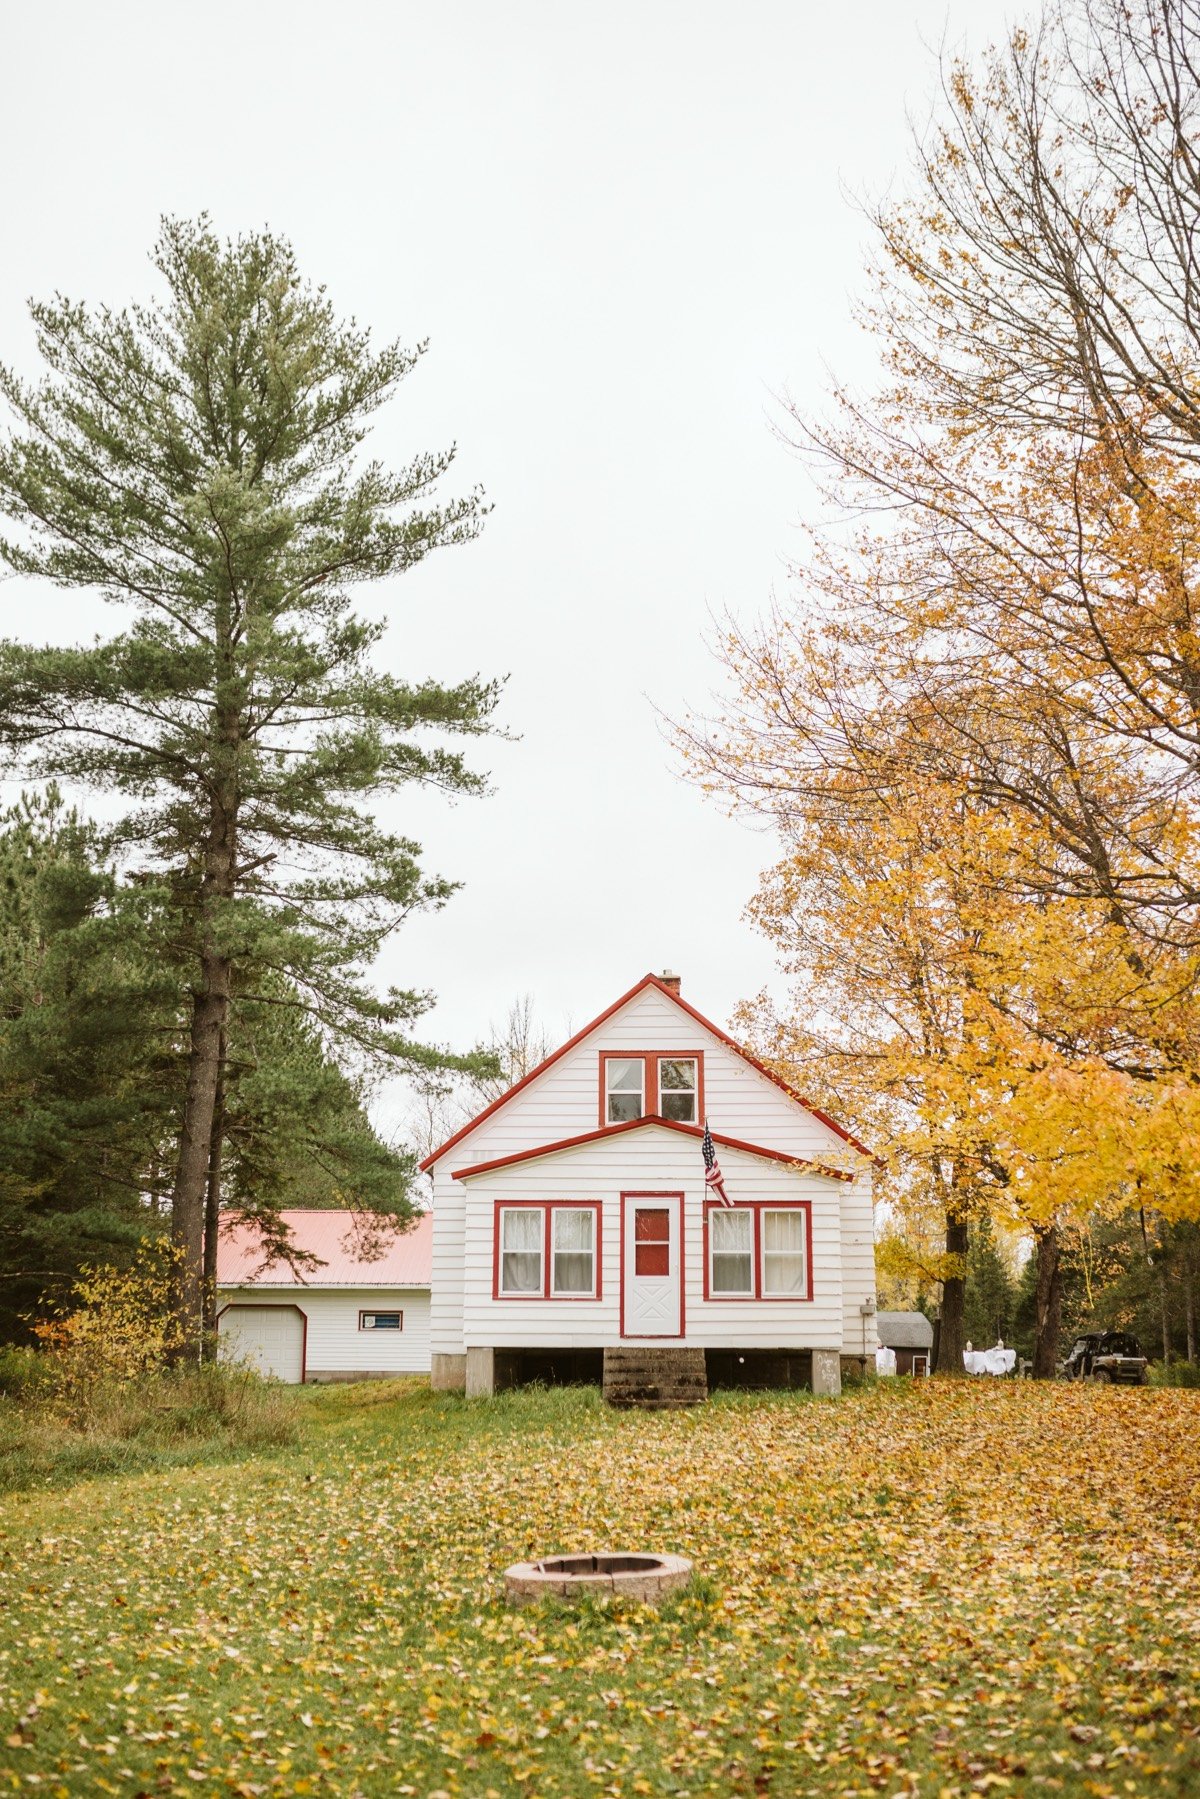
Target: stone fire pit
(648, 1578)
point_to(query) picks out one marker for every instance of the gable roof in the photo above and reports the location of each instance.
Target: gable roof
(406, 1261)
(904, 1330)
(649, 980)
(639, 1124)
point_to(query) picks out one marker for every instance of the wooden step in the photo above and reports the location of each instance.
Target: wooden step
(653, 1378)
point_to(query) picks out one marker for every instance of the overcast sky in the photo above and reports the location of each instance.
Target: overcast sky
(625, 230)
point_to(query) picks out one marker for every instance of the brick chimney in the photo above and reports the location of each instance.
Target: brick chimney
(670, 980)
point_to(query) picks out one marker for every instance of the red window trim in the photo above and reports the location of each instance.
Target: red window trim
(547, 1206)
(758, 1207)
(374, 1311)
(651, 1096)
(675, 1193)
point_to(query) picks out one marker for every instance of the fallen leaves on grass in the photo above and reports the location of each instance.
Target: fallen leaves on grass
(922, 1589)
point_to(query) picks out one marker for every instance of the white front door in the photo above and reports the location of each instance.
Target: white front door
(652, 1265)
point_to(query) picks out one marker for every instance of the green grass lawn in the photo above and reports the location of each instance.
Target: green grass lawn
(920, 1588)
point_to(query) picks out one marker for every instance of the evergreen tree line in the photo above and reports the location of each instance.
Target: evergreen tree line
(93, 1034)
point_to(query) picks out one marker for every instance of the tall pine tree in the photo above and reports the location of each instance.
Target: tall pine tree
(197, 461)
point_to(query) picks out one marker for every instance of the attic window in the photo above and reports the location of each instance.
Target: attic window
(625, 1088)
(651, 1083)
(677, 1088)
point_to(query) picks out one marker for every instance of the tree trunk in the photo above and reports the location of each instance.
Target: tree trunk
(212, 1217)
(951, 1339)
(1047, 1305)
(210, 1015)
(1189, 1310)
(209, 1012)
(1166, 1317)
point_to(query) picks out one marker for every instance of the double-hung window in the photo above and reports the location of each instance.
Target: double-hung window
(547, 1251)
(522, 1242)
(625, 1088)
(783, 1257)
(757, 1251)
(573, 1270)
(731, 1253)
(677, 1088)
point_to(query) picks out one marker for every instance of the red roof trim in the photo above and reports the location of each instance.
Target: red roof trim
(649, 980)
(778, 1080)
(646, 981)
(637, 1124)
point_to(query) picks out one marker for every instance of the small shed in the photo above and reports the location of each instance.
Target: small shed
(360, 1311)
(910, 1336)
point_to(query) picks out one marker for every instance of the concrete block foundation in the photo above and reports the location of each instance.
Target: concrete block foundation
(490, 1371)
(448, 1373)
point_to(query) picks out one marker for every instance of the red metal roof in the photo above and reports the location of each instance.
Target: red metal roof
(338, 1239)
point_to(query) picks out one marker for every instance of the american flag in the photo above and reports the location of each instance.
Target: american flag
(712, 1169)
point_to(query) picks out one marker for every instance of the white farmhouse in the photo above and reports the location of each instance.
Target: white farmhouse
(351, 1316)
(575, 1234)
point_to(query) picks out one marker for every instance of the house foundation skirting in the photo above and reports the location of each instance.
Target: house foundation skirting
(491, 1371)
(642, 1374)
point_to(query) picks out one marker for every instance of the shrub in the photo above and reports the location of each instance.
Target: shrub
(26, 1375)
(115, 1329)
(160, 1419)
(1174, 1374)
(98, 1395)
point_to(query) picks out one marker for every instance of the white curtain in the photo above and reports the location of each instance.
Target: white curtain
(783, 1252)
(521, 1252)
(573, 1250)
(731, 1236)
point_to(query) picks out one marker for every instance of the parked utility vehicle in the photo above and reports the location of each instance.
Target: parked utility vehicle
(1106, 1356)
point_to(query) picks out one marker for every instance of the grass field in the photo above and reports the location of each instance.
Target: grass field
(920, 1588)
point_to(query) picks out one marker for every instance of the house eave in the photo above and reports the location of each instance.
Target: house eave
(650, 1121)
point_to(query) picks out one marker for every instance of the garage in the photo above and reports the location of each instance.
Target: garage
(269, 1338)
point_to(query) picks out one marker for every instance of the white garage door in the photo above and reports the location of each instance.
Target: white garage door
(269, 1338)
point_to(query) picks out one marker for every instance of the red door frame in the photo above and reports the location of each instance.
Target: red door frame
(658, 1337)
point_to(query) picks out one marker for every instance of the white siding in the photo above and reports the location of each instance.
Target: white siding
(335, 1345)
(858, 1267)
(565, 1101)
(638, 1161)
(449, 1219)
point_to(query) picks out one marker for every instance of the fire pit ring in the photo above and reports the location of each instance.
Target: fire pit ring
(648, 1578)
